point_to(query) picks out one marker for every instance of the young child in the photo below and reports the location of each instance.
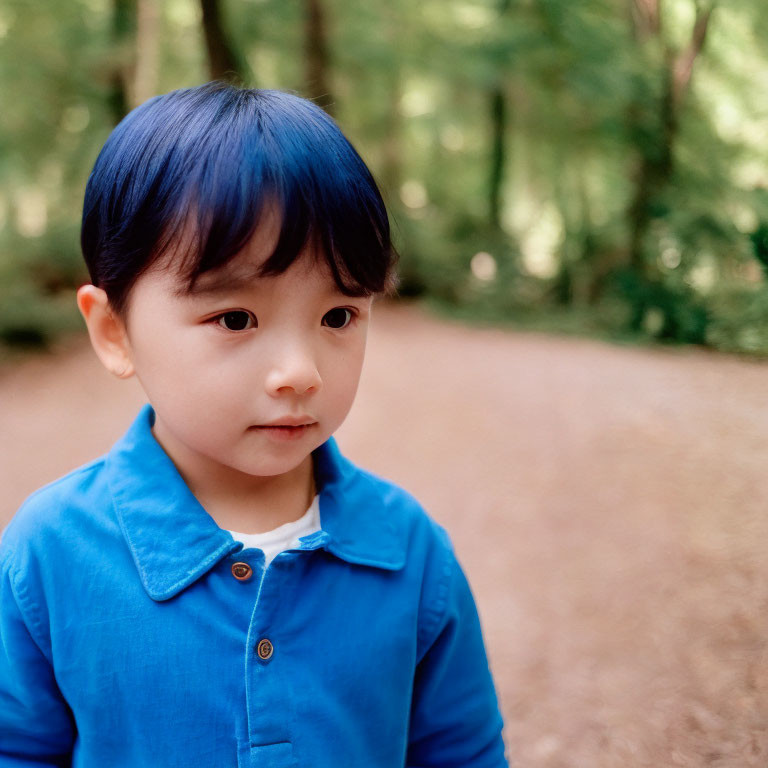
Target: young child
(224, 587)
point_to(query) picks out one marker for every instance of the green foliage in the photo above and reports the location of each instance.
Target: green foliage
(530, 152)
(740, 321)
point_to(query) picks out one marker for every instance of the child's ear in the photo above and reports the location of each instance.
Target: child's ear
(107, 331)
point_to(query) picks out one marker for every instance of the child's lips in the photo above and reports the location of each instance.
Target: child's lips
(290, 421)
(284, 431)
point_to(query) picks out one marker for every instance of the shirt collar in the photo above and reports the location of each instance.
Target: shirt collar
(174, 541)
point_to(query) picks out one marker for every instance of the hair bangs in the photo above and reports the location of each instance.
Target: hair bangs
(321, 203)
(187, 178)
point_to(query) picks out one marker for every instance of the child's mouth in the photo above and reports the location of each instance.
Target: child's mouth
(284, 431)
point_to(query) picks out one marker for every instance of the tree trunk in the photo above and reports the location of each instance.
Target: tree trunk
(123, 29)
(316, 57)
(656, 159)
(654, 172)
(147, 52)
(391, 164)
(224, 62)
(498, 124)
(498, 155)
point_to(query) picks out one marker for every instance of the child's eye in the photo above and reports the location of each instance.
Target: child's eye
(236, 320)
(339, 317)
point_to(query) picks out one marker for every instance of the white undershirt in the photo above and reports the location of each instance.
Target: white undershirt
(285, 536)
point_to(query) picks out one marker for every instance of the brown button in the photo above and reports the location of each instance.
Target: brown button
(264, 649)
(242, 571)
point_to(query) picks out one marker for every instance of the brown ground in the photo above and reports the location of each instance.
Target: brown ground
(608, 504)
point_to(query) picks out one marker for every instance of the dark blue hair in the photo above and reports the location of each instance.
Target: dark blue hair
(222, 154)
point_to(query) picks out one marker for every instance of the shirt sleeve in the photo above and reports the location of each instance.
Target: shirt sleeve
(455, 719)
(36, 724)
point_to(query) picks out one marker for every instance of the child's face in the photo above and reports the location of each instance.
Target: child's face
(218, 366)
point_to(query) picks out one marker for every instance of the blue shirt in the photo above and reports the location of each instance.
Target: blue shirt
(127, 639)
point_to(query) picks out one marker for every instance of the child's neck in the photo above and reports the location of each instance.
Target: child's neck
(282, 501)
(238, 502)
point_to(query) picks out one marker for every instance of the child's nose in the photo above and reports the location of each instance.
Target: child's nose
(295, 370)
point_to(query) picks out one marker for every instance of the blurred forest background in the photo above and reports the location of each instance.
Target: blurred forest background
(592, 167)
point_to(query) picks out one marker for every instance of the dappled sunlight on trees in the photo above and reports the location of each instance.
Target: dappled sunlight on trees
(597, 167)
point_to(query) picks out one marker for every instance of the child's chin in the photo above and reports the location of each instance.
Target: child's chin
(284, 459)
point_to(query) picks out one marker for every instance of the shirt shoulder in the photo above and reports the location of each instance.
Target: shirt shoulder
(53, 513)
(406, 513)
(431, 564)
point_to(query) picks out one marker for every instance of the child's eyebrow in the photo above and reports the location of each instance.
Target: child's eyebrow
(227, 282)
(232, 282)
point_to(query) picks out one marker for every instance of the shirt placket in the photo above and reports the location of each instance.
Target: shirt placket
(268, 685)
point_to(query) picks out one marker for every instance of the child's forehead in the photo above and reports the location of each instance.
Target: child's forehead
(243, 273)
(309, 270)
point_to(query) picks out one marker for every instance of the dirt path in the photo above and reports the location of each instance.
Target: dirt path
(610, 506)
